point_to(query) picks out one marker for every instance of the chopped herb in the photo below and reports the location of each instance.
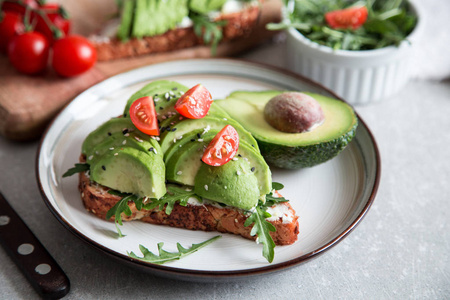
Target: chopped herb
(173, 195)
(210, 31)
(76, 169)
(165, 256)
(121, 207)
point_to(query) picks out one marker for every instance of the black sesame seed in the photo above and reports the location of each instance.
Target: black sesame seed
(124, 115)
(239, 155)
(125, 131)
(174, 89)
(253, 169)
(253, 146)
(163, 129)
(156, 95)
(109, 133)
(192, 140)
(150, 149)
(174, 129)
(103, 167)
(199, 135)
(161, 108)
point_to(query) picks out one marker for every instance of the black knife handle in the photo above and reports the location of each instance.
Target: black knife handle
(39, 267)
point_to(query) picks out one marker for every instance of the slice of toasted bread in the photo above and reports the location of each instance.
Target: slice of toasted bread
(239, 25)
(194, 216)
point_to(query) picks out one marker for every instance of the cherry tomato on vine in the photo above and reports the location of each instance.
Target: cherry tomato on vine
(56, 15)
(28, 52)
(222, 148)
(353, 17)
(195, 103)
(10, 25)
(143, 115)
(14, 6)
(73, 55)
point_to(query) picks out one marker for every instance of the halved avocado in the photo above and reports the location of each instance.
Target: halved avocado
(131, 171)
(293, 150)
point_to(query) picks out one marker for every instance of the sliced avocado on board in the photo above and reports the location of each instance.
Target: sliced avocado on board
(129, 170)
(205, 6)
(233, 184)
(126, 19)
(293, 150)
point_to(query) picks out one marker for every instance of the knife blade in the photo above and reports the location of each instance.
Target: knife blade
(35, 262)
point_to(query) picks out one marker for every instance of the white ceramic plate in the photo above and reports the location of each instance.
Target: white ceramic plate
(330, 199)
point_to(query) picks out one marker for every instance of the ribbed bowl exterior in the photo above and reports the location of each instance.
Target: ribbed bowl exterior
(360, 77)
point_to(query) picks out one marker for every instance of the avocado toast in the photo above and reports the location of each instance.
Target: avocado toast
(163, 179)
(153, 26)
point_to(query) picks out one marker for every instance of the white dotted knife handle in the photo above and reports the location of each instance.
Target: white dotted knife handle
(43, 272)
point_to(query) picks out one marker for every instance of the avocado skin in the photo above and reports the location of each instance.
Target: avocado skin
(288, 157)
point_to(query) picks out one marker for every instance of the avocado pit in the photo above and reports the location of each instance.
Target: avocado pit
(293, 112)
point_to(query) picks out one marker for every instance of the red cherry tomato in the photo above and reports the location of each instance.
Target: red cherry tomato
(222, 148)
(73, 55)
(14, 6)
(28, 52)
(55, 16)
(10, 25)
(143, 115)
(195, 103)
(353, 17)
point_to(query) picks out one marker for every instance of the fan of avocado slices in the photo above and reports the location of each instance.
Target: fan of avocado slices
(160, 171)
(140, 18)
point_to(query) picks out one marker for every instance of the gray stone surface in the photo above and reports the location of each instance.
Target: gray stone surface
(401, 250)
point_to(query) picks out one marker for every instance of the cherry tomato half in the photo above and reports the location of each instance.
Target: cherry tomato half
(28, 52)
(222, 148)
(195, 103)
(349, 18)
(143, 115)
(73, 55)
(10, 25)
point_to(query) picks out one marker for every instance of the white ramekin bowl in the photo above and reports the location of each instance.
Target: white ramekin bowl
(360, 77)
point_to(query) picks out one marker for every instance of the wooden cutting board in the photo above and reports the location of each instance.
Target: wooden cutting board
(28, 103)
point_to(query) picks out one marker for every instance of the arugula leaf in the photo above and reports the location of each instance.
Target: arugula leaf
(120, 207)
(262, 228)
(165, 256)
(210, 31)
(389, 23)
(174, 194)
(76, 169)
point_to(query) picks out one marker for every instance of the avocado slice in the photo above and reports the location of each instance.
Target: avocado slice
(118, 140)
(187, 125)
(293, 150)
(165, 94)
(184, 163)
(233, 184)
(126, 19)
(129, 170)
(157, 17)
(205, 6)
(105, 130)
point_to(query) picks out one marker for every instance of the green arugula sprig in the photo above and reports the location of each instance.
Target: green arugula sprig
(210, 31)
(174, 194)
(78, 168)
(165, 256)
(389, 23)
(261, 227)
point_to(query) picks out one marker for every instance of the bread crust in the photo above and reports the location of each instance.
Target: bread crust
(206, 217)
(239, 25)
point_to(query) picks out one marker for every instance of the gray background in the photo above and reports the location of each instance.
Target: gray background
(399, 251)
